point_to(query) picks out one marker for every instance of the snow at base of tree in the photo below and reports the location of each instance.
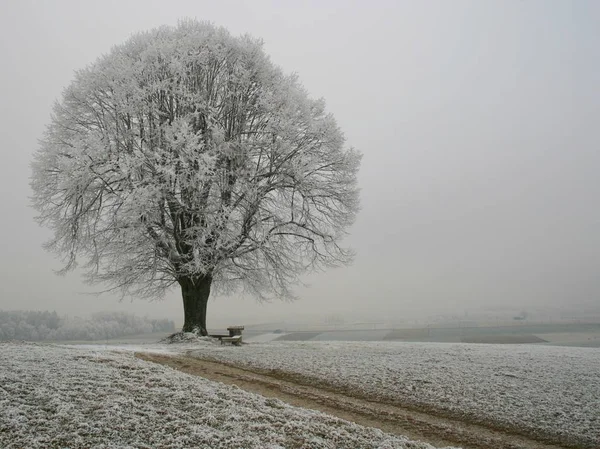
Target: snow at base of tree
(39, 326)
(53, 396)
(541, 390)
(187, 337)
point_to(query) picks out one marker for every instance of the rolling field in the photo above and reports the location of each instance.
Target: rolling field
(92, 397)
(549, 392)
(100, 396)
(556, 334)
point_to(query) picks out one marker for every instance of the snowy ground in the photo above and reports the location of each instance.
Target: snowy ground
(93, 397)
(553, 391)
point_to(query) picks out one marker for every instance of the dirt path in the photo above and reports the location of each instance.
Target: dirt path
(393, 419)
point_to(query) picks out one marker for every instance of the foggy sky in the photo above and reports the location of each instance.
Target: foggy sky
(478, 121)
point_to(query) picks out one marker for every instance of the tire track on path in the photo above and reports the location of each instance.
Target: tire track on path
(394, 419)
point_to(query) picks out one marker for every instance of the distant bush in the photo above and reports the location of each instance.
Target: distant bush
(36, 326)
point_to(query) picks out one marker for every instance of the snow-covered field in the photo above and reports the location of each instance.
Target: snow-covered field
(93, 397)
(539, 389)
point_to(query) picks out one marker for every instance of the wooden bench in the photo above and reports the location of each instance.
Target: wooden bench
(234, 337)
(235, 340)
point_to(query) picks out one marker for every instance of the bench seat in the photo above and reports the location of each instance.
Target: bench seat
(235, 340)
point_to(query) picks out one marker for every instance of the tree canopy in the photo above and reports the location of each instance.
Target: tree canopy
(186, 156)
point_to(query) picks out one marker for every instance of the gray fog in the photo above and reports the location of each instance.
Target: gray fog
(478, 121)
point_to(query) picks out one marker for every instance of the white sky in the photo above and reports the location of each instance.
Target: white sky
(477, 121)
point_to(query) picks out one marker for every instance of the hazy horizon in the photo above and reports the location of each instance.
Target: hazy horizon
(475, 119)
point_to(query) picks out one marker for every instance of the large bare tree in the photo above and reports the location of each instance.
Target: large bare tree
(185, 156)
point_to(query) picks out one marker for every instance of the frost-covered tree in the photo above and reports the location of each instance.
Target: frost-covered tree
(186, 157)
(31, 325)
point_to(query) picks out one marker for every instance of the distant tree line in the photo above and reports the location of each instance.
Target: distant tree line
(38, 326)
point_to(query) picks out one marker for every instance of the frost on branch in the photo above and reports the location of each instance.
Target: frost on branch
(186, 154)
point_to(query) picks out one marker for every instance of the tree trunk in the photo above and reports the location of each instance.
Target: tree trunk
(195, 292)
